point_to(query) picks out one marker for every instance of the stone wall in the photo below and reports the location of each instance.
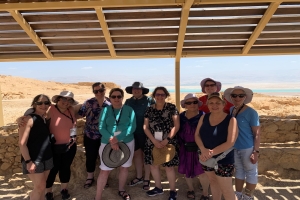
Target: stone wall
(280, 149)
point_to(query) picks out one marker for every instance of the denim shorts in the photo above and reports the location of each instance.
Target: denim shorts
(244, 169)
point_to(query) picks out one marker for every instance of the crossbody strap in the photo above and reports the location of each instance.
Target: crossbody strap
(223, 155)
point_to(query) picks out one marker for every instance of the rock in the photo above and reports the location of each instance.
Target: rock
(11, 140)
(2, 140)
(10, 154)
(288, 125)
(5, 166)
(10, 149)
(270, 127)
(17, 170)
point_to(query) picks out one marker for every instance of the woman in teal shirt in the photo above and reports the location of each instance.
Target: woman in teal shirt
(116, 124)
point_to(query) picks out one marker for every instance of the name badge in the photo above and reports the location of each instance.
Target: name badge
(117, 133)
(158, 135)
(73, 132)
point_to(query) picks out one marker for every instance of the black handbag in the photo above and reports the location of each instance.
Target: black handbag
(191, 147)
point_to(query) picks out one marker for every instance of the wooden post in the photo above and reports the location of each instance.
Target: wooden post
(177, 84)
(1, 110)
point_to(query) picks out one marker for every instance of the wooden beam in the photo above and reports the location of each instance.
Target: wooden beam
(182, 28)
(1, 110)
(31, 33)
(106, 33)
(260, 26)
(177, 84)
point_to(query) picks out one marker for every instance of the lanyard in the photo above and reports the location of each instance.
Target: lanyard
(238, 110)
(117, 120)
(70, 117)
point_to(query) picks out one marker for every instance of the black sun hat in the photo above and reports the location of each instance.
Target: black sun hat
(136, 85)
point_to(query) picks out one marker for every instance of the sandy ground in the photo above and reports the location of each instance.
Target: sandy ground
(17, 94)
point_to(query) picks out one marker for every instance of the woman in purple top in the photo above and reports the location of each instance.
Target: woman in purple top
(188, 157)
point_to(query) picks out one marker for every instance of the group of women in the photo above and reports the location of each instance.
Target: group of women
(213, 138)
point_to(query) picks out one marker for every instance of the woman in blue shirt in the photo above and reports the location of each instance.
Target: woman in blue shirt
(116, 124)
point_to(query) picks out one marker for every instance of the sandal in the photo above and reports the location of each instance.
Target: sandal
(136, 181)
(190, 195)
(204, 197)
(124, 195)
(88, 185)
(146, 185)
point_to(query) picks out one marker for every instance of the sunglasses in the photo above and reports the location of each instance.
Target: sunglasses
(64, 99)
(116, 96)
(39, 103)
(210, 85)
(191, 102)
(238, 95)
(162, 95)
(100, 90)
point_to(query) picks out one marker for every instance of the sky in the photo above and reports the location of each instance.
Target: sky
(160, 72)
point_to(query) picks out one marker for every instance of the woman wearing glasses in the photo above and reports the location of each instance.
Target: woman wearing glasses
(35, 146)
(246, 147)
(63, 127)
(215, 135)
(116, 124)
(188, 156)
(208, 86)
(91, 109)
(161, 124)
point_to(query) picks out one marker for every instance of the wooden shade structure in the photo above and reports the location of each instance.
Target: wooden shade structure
(114, 29)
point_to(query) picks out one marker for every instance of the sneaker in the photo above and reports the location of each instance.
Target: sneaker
(173, 195)
(239, 195)
(154, 192)
(49, 196)
(65, 194)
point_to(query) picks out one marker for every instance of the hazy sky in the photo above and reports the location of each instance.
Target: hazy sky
(153, 72)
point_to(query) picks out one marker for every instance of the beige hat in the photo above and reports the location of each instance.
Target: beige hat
(64, 94)
(163, 155)
(248, 92)
(190, 96)
(115, 158)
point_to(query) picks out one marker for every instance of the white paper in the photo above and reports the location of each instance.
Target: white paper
(117, 133)
(158, 135)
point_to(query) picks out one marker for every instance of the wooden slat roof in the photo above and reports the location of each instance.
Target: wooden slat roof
(113, 29)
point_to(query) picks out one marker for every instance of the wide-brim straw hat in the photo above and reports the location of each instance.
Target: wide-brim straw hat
(190, 96)
(137, 85)
(163, 155)
(64, 94)
(218, 84)
(248, 92)
(115, 158)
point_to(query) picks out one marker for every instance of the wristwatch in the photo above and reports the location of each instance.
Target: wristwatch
(255, 151)
(28, 161)
(168, 138)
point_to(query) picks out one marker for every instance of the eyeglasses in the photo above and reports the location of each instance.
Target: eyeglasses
(116, 96)
(64, 99)
(100, 90)
(39, 103)
(210, 85)
(191, 102)
(162, 95)
(238, 95)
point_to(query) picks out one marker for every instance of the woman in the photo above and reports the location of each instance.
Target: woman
(246, 147)
(63, 127)
(161, 120)
(91, 109)
(215, 135)
(188, 157)
(35, 146)
(116, 124)
(139, 102)
(208, 86)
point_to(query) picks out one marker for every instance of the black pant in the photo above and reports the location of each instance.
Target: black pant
(91, 153)
(62, 163)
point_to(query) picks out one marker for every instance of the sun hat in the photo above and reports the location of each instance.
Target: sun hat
(136, 85)
(163, 155)
(190, 96)
(115, 158)
(215, 94)
(202, 83)
(64, 94)
(248, 92)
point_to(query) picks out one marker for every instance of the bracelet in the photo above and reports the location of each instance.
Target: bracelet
(28, 161)
(255, 151)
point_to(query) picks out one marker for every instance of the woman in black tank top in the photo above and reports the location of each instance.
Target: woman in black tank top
(216, 133)
(35, 147)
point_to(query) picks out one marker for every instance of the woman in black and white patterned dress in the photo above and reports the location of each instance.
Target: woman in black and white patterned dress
(161, 117)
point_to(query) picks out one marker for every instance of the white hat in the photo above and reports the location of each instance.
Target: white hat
(202, 84)
(190, 96)
(64, 94)
(248, 92)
